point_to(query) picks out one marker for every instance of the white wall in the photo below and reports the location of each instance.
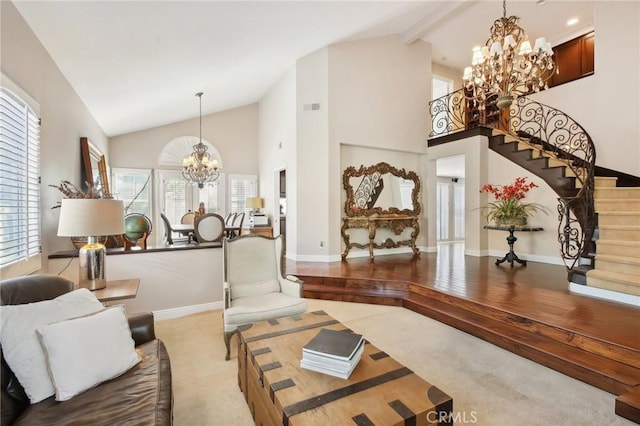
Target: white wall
(169, 280)
(312, 195)
(65, 118)
(234, 133)
(277, 149)
(607, 104)
(378, 94)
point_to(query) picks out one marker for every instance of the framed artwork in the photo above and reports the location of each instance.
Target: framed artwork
(94, 166)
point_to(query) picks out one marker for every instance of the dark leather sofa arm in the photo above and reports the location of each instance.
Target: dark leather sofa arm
(142, 327)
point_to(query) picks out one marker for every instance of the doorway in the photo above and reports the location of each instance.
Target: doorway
(450, 197)
(281, 203)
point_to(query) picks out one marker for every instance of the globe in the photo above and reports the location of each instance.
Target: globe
(135, 225)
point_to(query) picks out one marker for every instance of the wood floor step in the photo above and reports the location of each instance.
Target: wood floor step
(628, 218)
(618, 247)
(621, 264)
(619, 232)
(617, 192)
(617, 205)
(606, 374)
(628, 405)
(614, 281)
(581, 340)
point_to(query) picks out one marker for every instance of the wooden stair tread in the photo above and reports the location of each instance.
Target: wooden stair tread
(613, 376)
(620, 277)
(619, 259)
(633, 244)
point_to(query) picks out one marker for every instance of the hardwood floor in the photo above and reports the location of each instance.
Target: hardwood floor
(527, 310)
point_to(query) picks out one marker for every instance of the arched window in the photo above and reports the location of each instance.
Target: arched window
(176, 195)
(173, 152)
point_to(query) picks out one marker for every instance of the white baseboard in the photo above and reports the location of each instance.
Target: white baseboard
(476, 253)
(602, 293)
(165, 314)
(316, 258)
(552, 260)
(379, 252)
(428, 249)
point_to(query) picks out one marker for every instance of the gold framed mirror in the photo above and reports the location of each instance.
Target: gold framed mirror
(381, 189)
(94, 167)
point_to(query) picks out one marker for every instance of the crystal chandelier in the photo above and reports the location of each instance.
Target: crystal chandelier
(198, 167)
(507, 66)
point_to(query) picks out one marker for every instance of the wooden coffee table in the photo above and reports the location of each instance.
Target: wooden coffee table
(380, 391)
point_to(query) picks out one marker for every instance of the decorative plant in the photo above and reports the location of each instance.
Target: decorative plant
(69, 190)
(508, 207)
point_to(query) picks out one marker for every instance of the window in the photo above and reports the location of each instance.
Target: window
(177, 196)
(242, 187)
(133, 187)
(20, 234)
(440, 87)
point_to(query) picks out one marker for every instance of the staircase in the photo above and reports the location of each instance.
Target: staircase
(617, 259)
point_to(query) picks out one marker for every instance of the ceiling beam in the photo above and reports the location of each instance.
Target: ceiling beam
(436, 18)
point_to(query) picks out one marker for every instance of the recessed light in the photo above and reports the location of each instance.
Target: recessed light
(541, 2)
(572, 21)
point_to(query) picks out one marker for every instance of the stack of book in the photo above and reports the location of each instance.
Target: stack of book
(333, 352)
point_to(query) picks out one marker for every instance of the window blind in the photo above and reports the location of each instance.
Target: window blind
(133, 187)
(20, 234)
(242, 187)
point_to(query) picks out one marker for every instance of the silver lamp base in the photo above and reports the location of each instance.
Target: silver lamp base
(91, 257)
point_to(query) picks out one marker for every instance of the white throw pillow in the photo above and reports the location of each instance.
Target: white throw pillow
(84, 352)
(21, 346)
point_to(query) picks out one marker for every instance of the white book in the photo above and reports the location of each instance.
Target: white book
(343, 374)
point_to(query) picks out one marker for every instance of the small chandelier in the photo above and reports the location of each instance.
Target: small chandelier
(198, 167)
(506, 66)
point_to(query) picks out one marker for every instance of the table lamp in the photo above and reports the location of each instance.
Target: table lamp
(91, 218)
(254, 203)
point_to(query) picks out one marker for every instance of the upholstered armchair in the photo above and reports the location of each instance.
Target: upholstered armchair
(255, 288)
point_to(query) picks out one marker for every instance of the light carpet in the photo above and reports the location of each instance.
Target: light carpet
(489, 385)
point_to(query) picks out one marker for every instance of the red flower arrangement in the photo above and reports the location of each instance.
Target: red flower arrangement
(504, 192)
(508, 207)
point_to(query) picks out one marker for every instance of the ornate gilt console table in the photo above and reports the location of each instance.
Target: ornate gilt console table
(393, 222)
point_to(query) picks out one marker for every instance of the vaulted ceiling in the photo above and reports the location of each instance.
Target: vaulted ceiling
(138, 64)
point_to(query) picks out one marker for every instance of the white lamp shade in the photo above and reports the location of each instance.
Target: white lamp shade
(84, 217)
(254, 203)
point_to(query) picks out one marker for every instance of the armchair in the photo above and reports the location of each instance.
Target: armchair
(255, 288)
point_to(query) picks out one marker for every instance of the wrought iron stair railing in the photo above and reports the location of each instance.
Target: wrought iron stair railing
(552, 133)
(367, 193)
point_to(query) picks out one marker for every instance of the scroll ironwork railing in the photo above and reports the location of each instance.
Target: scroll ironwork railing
(365, 189)
(555, 133)
(562, 137)
(448, 114)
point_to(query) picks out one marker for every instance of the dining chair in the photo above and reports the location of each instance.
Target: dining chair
(188, 218)
(237, 225)
(209, 228)
(169, 231)
(228, 220)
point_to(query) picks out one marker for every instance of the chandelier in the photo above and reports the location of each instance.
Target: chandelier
(507, 67)
(198, 167)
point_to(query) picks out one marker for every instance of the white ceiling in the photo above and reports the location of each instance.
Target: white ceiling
(138, 64)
